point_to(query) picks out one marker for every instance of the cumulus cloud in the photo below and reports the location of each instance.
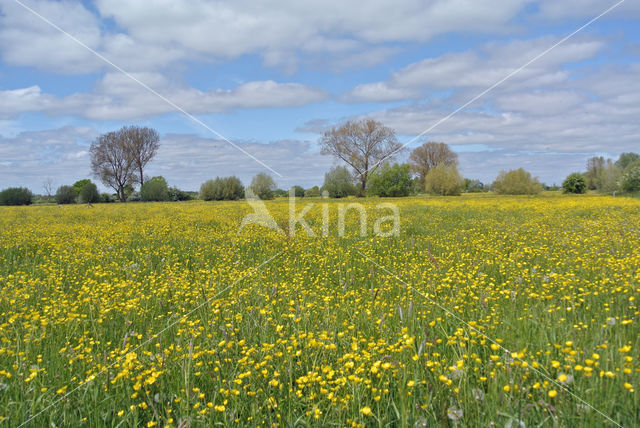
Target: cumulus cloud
(116, 96)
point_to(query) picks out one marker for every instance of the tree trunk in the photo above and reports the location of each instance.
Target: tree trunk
(141, 177)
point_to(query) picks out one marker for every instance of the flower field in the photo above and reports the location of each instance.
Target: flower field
(516, 311)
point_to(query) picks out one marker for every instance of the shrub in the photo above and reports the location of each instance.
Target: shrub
(313, 192)
(390, 180)
(473, 186)
(298, 191)
(154, 190)
(263, 186)
(444, 180)
(516, 182)
(66, 195)
(176, 194)
(280, 193)
(89, 193)
(220, 189)
(106, 197)
(574, 183)
(630, 180)
(338, 182)
(134, 197)
(16, 196)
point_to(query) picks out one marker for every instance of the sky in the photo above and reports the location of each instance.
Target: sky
(224, 80)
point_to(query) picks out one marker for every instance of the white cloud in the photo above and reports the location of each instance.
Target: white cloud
(481, 69)
(116, 96)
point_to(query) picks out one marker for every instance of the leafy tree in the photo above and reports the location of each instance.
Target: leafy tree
(220, 189)
(89, 193)
(630, 180)
(574, 183)
(363, 145)
(107, 198)
(472, 186)
(312, 192)
(155, 189)
(78, 185)
(516, 182)
(263, 186)
(66, 195)
(627, 159)
(610, 178)
(338, 182)
(176, 194)
(428, 156)
(280, 193)
(16, 196)
(390, 180)
(443, 180)
(298, 191)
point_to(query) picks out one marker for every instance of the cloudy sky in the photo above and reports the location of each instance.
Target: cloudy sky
(270, 77)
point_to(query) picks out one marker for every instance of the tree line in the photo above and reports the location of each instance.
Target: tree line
(366, 148)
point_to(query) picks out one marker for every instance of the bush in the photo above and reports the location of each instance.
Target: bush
(473, 186)
(134, 197)
(16, 196)
(221, 189)
(390, 180)
(313, 192)
(154, 190)
(630, 180)
(574, 183)
(89, 193)
(78, 185)
(107, 198)
(66, 195)
(338, 182)
(298, 191)
(263, 186)
(176, 194)
(280, 193)
(443, 180)
(516, 182)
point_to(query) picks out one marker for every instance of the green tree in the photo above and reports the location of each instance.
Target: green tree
(574, 183)
(630, 180)
(516, 182)
(16, 196)
(298, 191)
(444, 180)
(176, 194)
(472, 186)
(89, 193)
(338, 182)
(155, 189)
(66, 195)
(627, 159)
(220, 189)
(313, 192)
(390, 180)
(263, 186)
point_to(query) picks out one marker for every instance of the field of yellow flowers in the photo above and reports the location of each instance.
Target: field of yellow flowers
(484, 311)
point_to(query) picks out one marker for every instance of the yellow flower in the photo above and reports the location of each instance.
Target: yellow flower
(553, 393)
(365, 410)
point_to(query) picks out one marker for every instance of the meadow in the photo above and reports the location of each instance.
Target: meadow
(484, 311)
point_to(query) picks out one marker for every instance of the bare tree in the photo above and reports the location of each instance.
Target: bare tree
(428, 156)
(142, 145)
(111, 161)
(48, 186)
(363, 145)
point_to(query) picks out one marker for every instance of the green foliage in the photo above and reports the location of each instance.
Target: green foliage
(574, 183)
(222, 189)
(66, 195)
(134, 197)
(280, 193)
(444, 180)
(154, 190)
(627, 159)
(89, 193)
(176, 194)
(338, 182)
(516, 182)
(390, 180)
(313, 192)
(630, 180)
(78, 185)
(263, 186)
(298, 191)
(472, 186)
(107, 198)
(16, 196)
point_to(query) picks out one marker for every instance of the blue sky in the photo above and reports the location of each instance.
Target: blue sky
(272, 77)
